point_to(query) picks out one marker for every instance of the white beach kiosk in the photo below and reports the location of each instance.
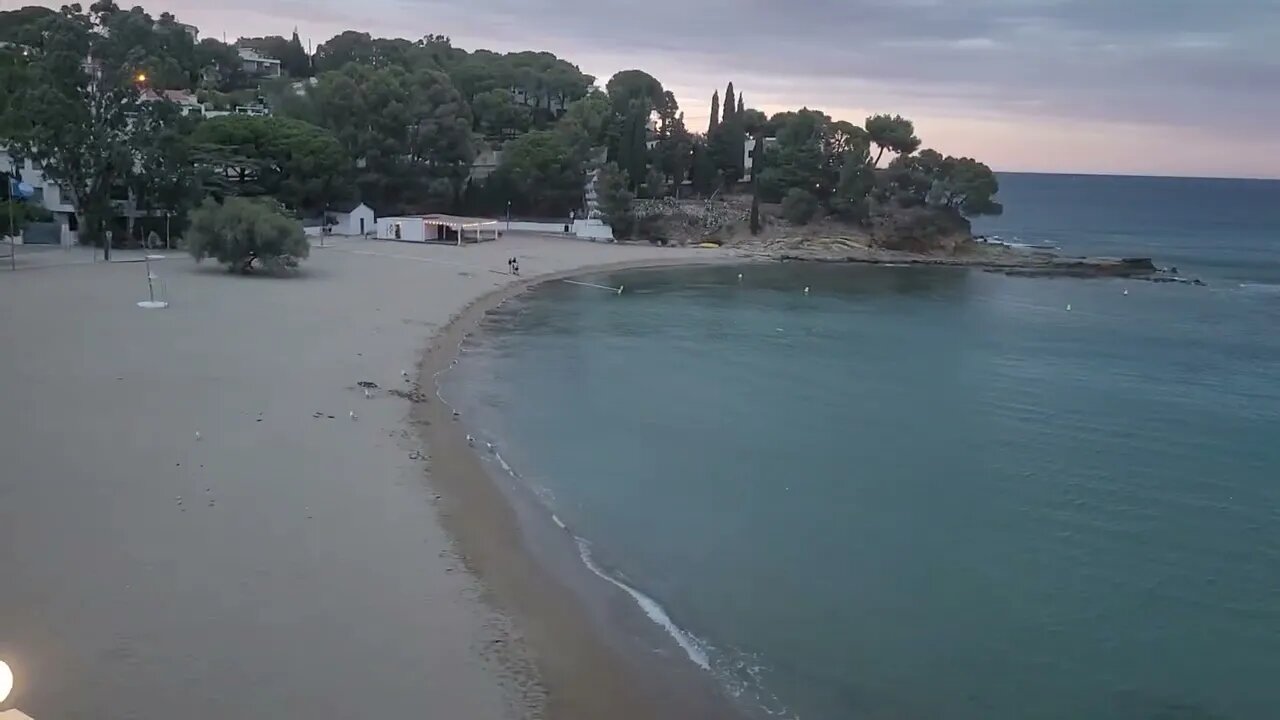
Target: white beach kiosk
(435, 228)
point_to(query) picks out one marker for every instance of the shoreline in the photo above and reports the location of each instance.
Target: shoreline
(588, 647)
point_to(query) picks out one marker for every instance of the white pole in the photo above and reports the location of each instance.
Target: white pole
(617, 290)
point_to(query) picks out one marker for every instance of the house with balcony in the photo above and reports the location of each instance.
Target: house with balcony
(47, 194)
(259, 65)
(185, 100)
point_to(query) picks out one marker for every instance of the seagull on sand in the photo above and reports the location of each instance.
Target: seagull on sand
(490, 446)
(366, 394)
(456, 414)
(353, 415)
(197, 435)
(471, 441)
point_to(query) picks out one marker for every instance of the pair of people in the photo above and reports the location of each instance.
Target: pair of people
(513, 266)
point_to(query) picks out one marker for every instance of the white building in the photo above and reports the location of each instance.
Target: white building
(748, 153)
(255, 63)
(186, 101)
(47, 195)
(437, 228)
(349, 219)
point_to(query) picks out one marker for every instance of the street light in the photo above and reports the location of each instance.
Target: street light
(140, 77)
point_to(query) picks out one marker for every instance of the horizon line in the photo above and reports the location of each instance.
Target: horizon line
(1136, 175)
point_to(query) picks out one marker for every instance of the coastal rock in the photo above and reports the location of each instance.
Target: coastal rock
(920, 230)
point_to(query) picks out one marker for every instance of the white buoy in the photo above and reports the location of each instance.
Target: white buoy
(1126, 291)
(1068, 307)
(739, 277)
(806, 289)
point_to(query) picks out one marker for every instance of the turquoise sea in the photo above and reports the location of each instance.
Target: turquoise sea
(924, 494)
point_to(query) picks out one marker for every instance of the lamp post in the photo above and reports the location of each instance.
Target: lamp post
(13, 245)
(508, 216)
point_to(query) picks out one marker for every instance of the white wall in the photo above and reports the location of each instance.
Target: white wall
(411, 229)
(533, 227)
(51, 198)
(589, 229)
(349, 223)
(593, 229)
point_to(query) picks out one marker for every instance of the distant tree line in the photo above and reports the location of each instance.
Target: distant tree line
(400, 124)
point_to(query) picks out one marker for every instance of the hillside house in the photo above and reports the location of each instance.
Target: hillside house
(259, 65)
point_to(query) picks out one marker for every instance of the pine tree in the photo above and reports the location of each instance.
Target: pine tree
(729, 107)
(715, 112)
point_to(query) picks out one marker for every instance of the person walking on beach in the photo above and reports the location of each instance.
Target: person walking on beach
(511, 266)
(515, 266)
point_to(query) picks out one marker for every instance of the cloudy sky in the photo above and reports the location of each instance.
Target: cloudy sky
(1176, 87)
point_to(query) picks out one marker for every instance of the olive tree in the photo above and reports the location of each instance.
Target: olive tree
(242, 231)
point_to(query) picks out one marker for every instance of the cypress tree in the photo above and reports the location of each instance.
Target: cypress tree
(757, 163)
(729, 106)
(741, 105)
(715, 112)
(637, 153)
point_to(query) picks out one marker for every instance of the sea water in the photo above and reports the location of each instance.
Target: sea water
(923, 493)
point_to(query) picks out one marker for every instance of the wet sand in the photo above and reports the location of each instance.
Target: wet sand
(291, 561)
(595, 652)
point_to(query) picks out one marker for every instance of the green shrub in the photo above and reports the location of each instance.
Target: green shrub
(23, 214)
(240, 231)
(799, 206)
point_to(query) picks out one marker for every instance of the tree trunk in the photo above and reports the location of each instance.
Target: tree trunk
(879, 155)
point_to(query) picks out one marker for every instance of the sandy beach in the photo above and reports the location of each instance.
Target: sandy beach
(193, 524)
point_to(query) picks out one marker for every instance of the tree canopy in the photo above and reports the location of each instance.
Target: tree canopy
(399, 123)
(301, 165)
(75, 123)
(893, 133)
(540, 175)
(240, 231)
(408, 131)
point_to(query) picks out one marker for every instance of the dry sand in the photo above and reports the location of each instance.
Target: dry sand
(290, 562)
